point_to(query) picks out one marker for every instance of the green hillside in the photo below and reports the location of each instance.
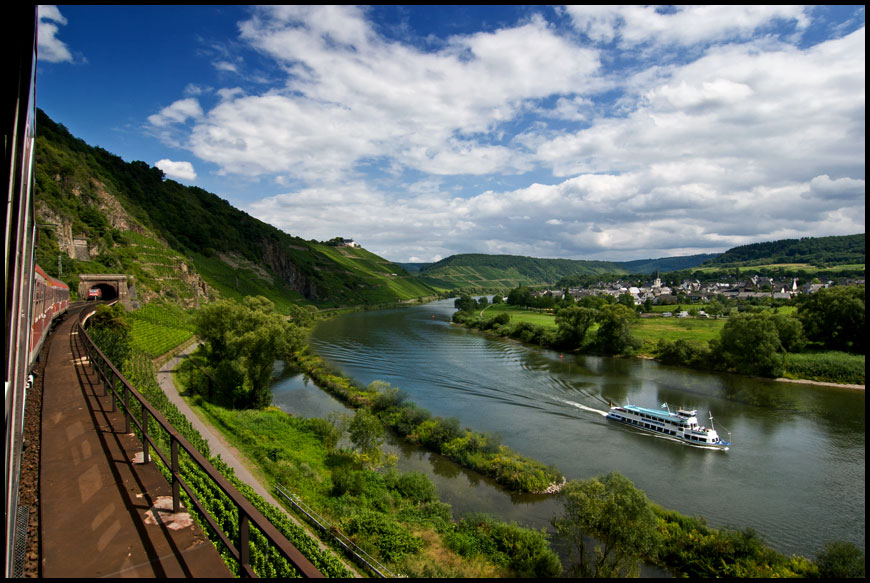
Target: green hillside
(130, 216)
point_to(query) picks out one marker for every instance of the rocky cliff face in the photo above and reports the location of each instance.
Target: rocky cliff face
(62, 228)
(288, 271)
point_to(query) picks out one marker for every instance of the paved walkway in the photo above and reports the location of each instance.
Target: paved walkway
(100, 511)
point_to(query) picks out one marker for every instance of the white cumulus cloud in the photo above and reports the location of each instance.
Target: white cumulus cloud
(177, 113)
(50, 48)
(180, 170)
(747, 136)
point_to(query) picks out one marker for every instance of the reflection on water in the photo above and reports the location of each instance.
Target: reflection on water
(795, 473)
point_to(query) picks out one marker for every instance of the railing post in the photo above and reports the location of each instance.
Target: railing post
(244, 546)
(114, 386)
(126, 409)
(145, 458)
(176, 494)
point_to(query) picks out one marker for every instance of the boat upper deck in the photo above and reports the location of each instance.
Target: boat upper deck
(679, 418)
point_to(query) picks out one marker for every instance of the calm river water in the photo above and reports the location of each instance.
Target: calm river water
(795, 472)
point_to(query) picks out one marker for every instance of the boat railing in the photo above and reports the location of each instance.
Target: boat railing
(132, 403)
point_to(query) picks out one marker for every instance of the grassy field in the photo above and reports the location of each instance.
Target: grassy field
(519, 314)
(651, 330)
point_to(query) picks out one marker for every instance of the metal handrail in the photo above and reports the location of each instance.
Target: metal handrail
(248, 514)
(339, 537)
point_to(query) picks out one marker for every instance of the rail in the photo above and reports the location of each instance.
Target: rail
(240, 549)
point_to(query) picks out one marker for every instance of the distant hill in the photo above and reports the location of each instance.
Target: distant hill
(107, 215)
(481, 271)
(475, 270)
(815, 251)
(414, 268)
(665, 264)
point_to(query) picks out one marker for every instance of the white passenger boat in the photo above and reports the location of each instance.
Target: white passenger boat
(682, 425)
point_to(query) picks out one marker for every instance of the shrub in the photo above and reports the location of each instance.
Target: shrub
(416, 487)
(389, 538)
(841, 560)
(524, 550)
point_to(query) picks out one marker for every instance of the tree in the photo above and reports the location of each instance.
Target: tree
(749, 343)
(367, 433)
(791, 332)
(243, 341)
(110, 332)
(626, 300)
(465, 303)
(618, 515)
(614, 335)
(573, 323)
(834, 317)
(519, 296)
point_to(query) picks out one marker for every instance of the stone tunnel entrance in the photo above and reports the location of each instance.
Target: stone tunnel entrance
(107, 292)
(111, 286)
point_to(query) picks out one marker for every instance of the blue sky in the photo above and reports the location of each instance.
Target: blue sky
(580, 132)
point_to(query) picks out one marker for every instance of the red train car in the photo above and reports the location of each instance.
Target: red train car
(50, 300)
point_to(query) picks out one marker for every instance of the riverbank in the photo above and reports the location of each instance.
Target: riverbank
(742, 553)
(684, 342)
(820, 383)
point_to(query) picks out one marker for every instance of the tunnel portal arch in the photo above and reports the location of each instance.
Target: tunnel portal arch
(112, 286)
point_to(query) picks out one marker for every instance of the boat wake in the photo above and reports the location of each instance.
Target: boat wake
(584, 407)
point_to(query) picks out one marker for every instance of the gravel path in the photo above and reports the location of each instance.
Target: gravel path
(216, 442)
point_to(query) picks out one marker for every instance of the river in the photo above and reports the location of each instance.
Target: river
(795, 472)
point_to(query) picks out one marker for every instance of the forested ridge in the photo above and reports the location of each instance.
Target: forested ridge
(816, 251)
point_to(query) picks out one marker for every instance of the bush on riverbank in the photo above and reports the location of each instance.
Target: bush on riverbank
(445, 436)
(525, 551)
(692, 549)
